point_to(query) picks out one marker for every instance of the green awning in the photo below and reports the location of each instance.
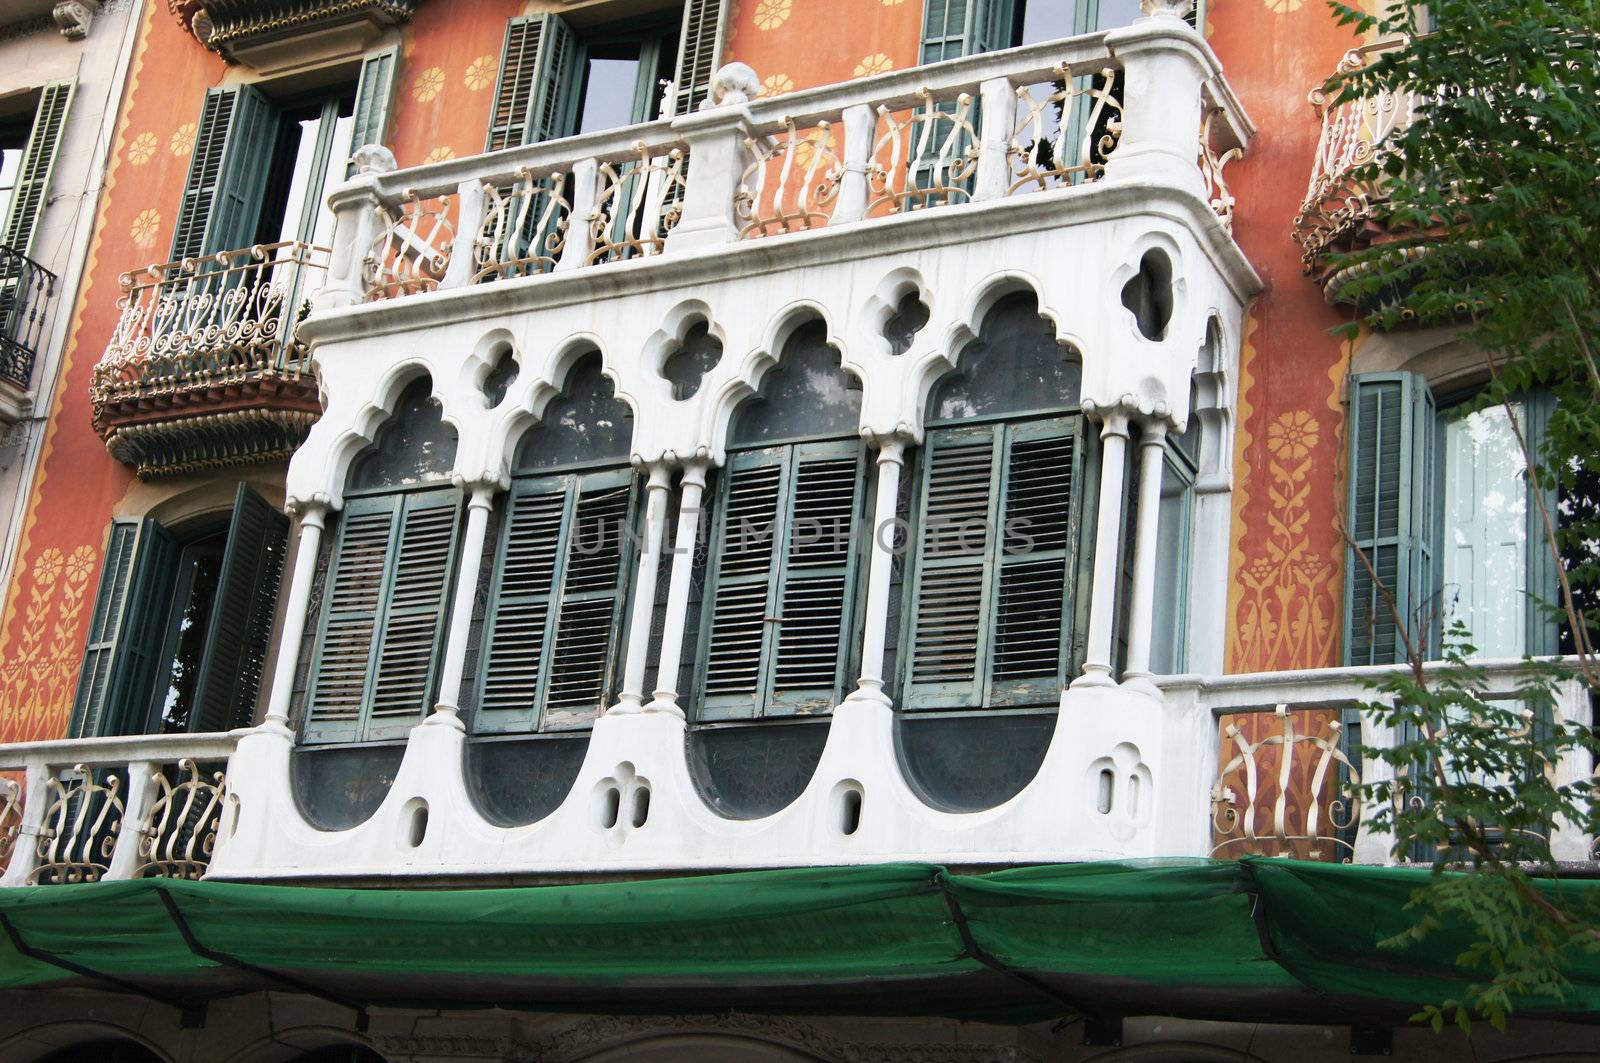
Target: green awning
(1261, 939)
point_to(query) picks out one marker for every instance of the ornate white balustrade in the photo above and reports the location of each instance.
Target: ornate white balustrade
(205, 367)
(109, 808)
(1284, 767)
(970, 130)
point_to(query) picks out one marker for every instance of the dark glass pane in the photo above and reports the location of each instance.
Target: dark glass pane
(751, 772)
(807, 395)
(970, 763)
(688, 365)
(585, 423)
(413, 446)
(1014, 366)
(199, 573)
(500, 378)
(339, 787)
(910, 315)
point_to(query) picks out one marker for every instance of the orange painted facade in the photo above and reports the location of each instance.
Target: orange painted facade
(1285, 595)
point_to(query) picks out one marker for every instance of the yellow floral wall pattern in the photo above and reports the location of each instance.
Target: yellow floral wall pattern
(39, 676)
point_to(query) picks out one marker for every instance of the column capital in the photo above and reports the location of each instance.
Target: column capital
(1152, 431)
(891, 445)
(310, 512)
(481, 488)
(695, 470)
(1115, 415)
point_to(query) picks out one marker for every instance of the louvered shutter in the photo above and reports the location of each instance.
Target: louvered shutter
(342, 661)
(744, 571)
(136, 658)
(241, 616)
(699, 53)
(222, 194)
(374, 93)
(411, 634)
(954, 28)
(784, 573)
(533, 96)
(88, 705)
(997, 531)
(38, 163)
(1390, 512)
(560, 587)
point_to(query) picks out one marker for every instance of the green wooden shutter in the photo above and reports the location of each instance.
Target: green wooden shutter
(241, 616)
(374, 93)
(954, 28)
(136, 656)
(560, 587)
(735, 644)
(700, 48)
(222, 195)
(996, 538)
(384, 618)
(817, 577)
(342, 661)
(88, 705)
(38, 163)
(533, 96)
(1389, 511)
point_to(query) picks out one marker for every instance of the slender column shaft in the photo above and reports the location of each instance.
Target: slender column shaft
(690, 496)
(294, 615)
(880, 571)
(644, 599)
(1108, 529)
(1141, 607)
(479, 502)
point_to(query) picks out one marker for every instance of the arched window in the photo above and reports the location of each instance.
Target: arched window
(389, 569)
(994, 554)
(787, 540)
(552, 641)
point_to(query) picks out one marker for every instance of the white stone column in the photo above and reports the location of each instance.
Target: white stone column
(137, 802)
(644, 597)
(355, 207)
(880, 571)
(312, 518)
(470, 204)
(690, 496)
(1108, 530)
(1141, 605)
(447, 713)
(998, 121)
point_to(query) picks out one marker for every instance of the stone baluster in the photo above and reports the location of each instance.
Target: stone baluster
(470, 202)
(356, 205)
(998, 122)
(716, 139)
(860, 132)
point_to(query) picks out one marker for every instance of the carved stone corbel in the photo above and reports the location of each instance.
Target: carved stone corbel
(74, 17)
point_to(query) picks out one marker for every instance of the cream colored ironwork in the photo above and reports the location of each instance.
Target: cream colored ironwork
(10, 818)
(791, 182)
(1211, 166)
(524, 226)
(1238, 829)
(1353, 132)
(639, 202)
(1043, 152)
(212, 320)
(925, 157)
(180, 831)
(413, 246)
(81, 824)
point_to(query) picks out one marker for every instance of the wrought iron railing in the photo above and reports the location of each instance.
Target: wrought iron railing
(26, 292)
(1035, 119)
(208, 321)
(146, 806)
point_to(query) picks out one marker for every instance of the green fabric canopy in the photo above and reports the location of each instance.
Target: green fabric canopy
(1259, 938)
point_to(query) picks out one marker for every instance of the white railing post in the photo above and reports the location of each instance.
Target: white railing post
(997, 123)
(355, 205)
(580, 232)
(312, 517)
(1374, 846)
(690, 510)
(880, 569)
(480, 500)
(136, 802)
(716, 140)
(1108, 531)
(1570, 841)
(631, 699)
(1141, 605)
(1164, 64)
(860, 131)
(35, 800)
(469, 219)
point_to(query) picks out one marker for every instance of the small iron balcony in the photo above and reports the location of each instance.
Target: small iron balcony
(26, 292)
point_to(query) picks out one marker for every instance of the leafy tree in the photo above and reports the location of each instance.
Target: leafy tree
(1486, 210)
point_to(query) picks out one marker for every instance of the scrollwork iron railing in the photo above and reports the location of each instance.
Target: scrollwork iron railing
(81, 826)
(216, 320)
(26, 292)
(1064, 136)
(791, 183)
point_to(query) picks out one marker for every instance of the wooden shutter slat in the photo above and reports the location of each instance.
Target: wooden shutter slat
(1028, 634)
(343, 659)
(241, 615)
(28, 195)
(222, 193)
(413, 618)
(743, 574)
(110, 599)
(593, 589)
(700, 46)
(374, 94)
(532, 95)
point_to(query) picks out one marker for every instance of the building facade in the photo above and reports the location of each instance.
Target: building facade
(551, 443)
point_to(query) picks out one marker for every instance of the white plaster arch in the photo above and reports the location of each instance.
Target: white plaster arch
(884, 301)
(477, 366)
